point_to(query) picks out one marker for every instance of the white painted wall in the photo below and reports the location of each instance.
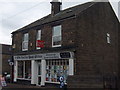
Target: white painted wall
(43, 72)
(34, 72)
(15, 70)
(71, 66)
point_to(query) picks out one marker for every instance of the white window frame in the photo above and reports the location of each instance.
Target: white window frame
(56, 36)
(25, 41)
(38, 38)
(108, 38)
(24, 67)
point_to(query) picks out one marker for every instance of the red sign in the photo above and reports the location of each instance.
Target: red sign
(39, 43)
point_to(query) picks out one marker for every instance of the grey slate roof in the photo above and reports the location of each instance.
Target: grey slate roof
(61, 15)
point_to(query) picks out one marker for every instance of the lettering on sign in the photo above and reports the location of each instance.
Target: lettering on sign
(52, 56)
(63, 55)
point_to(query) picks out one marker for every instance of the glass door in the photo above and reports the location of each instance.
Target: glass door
(39, 73)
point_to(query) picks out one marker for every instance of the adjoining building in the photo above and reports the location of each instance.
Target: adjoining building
(80, 44)
(5, 55)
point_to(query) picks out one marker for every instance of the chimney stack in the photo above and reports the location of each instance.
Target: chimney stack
(55, 6)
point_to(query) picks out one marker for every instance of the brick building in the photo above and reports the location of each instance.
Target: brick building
(80, 44)
(5, 55)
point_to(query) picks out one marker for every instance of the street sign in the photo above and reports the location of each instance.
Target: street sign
(61, 79)
(11, 63)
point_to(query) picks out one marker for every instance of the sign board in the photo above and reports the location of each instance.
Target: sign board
(51, 56)
(45, 56)
(40, 43)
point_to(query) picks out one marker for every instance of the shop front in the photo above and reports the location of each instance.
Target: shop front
(43, 68)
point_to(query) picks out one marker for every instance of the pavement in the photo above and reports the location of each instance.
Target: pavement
(14, 86)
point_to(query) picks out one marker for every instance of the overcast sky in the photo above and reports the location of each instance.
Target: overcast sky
(15, 14)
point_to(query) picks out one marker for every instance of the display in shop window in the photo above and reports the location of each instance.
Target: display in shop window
(55, 69)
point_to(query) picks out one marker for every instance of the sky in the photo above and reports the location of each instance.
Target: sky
(15, 14)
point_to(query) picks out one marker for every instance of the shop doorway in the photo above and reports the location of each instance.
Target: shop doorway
(39, 73)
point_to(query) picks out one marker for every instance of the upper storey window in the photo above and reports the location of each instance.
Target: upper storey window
(56, 36)
(25, 42)
(38, 38)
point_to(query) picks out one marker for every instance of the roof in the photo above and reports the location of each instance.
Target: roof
(61, 15)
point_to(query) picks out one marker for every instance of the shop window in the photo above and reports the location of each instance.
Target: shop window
(56, 36)
(20, 69)
(55, 69)
(25, 42)
(28, 69)
(24, 69)
(38, 38)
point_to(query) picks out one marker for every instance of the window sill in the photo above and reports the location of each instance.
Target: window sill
(56, 46)
(24, 50)
(24, 79)
(38, 48)
(54, 82)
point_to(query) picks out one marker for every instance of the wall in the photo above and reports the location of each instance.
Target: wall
(6, 55)
(94, 56)
(5, 64)
(17, 42)
(93, 50)
(68, 37)
(85, 81)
